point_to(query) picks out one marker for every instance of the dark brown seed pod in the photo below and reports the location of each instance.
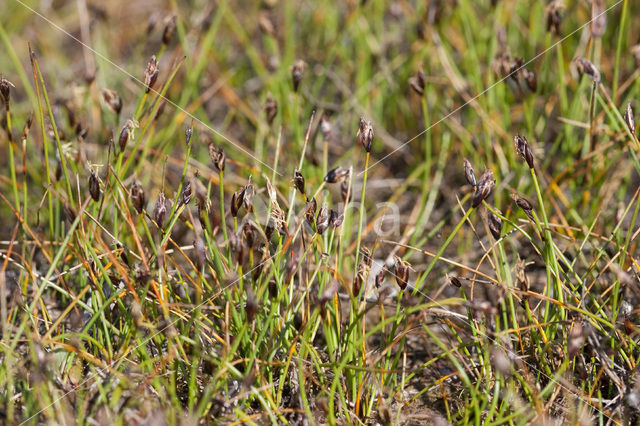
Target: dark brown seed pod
(336, 218)
(336, 175)
(523, 148)
(161, 209)
(236, 202)
(126, 133)
(169, 30)
(249, 192)
(401, 271)
(469, 175)
(554, 17)
(5, 90)
(455, 281)
(310, 211)
(112, 100)
(94, 186)
(322, 220)
(188, 133)
(218, 157)
(380, 277)
(628, 118)
(418, 82)
(365, 134)
(484, 187)
(523, 203)
(298, 181)
(297, 69)
(587, 68)
(137, 197)
(250, 234)
(531, 79)
(270, 108)
(495, 225)
(187, 193)
(151, 74)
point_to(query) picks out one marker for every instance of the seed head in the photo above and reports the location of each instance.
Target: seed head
(418, 82)
(297, 69)
(249, 192)
(161, 209)
(469, 174)
(322, 221)
(188, 133)
(401, 271)
(112, 99)
(137, 197)
(187, 193)
(5, 90)
(495, 225)
(127, 133)
(218, 157)
(236, 202)
(336, 219)
(380, 277)
(484, 187)
(270, 108)
(151, 74)
(523, 148)
(310, 211)
(524, 204)
(336, 175)
(365, 134)
(455, 281)
(94, 186)
(586, 67)
(298, 181)
(169, 30)
(628, 118)
(554, 16)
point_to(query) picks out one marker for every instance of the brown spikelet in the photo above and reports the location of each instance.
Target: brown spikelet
(151, 74)
(484, 187)
(523, 148)
(169, 30)
(126, 133)
(236, 202)
(161, 209)
(251, 305)
(469, 175)
(94, 186)
(455, 281)
(310, 211)
(322, 221)
(365, 134)
(218, 157)
(401, 271)
(495, 225)
(628, 118)
(418, 81)
(587, 68)
(298, 181)
(112, 100)
(345, 192)
(362, 274)
(336, 175)
(27, 127)
(137, 197)
(553, 13)
(5, 91)
(336, 219)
